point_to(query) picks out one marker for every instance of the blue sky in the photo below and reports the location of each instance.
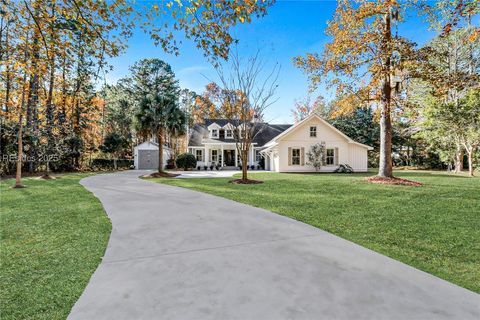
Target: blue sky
(291, 28)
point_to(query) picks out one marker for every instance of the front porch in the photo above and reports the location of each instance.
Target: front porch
(225, 155)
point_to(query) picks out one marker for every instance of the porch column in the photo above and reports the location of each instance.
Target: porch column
(236, 162)
(221, 153)
(207, 156)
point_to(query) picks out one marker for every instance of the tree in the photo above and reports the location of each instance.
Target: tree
(451, 69)
(446, 123)
(207, 22)
(113, 144)
(155, 86)
(177, 127)
(247, 91)
(187, 105)
(52, 52)
(363, 61)
(118, 109)
(316, 155)
(303, 108)
(470, 121)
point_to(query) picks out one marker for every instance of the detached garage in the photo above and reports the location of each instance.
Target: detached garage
(146, 156)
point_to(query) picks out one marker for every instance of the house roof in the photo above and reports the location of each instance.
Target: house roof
(299, 124)
(200, 135)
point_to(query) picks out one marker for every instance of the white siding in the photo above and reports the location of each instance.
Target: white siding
(347, 153)
(358, 158)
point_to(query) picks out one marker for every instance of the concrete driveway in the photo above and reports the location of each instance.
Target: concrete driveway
(179, 254)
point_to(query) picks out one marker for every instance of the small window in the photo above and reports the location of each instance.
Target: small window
(214, 155)
(313, 132)
(214, 133)
(330, 158)
(199, 155)
(228, 134)
(296, 157)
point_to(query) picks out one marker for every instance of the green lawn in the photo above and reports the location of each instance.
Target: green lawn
(54, 234)
(435, 228)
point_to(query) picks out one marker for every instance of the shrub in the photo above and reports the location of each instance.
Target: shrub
(186, 161)
(100, 163)
(344, 168)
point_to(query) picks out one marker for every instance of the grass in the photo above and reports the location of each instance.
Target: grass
(54, 233)
(435, 228)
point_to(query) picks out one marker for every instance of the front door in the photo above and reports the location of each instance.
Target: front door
(229, 157)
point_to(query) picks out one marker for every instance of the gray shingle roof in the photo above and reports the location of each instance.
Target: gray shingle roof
(199, 134)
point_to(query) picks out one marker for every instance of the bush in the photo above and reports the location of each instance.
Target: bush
(186, 161)
(344, 168)
(100, 163)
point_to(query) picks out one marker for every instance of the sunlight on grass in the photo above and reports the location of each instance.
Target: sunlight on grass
(435, 227)
(54, 233)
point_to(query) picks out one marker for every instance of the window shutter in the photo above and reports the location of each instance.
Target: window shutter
(289, 156)
(336, 156)
(302, 157)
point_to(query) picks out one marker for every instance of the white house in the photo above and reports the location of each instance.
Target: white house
(146, 155)
(278, 147)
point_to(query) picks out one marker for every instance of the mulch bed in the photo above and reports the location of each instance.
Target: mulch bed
(162, 175)
(393, 181)
(248, 181)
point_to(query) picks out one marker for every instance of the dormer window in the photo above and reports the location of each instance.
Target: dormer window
(228, 134)
(214, 133)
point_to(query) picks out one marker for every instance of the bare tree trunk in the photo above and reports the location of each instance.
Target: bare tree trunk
(32, 102)
(459, 159)
(18, 173)
(49, 103)
(160, 149)
(244, 165)
(385, 165)
(470, 163)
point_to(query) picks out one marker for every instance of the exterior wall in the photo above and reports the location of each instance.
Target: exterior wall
(148, 150)
(358, 158)
(347, 153)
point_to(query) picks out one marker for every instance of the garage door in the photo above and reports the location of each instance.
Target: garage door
(147, 159)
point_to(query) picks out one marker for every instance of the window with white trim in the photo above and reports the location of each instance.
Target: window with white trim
(214, 155)
(199, 154)
(313, 132)
(214, 133)
(295, 157)
(228, 134)
(330, 158)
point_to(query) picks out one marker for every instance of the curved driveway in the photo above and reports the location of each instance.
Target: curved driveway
(180, 254)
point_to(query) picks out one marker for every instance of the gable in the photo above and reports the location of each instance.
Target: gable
(147, 145)
(301, 132)
(325, 132)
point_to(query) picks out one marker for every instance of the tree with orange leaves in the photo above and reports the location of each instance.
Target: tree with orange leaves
(363, 59)
(304, 107)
